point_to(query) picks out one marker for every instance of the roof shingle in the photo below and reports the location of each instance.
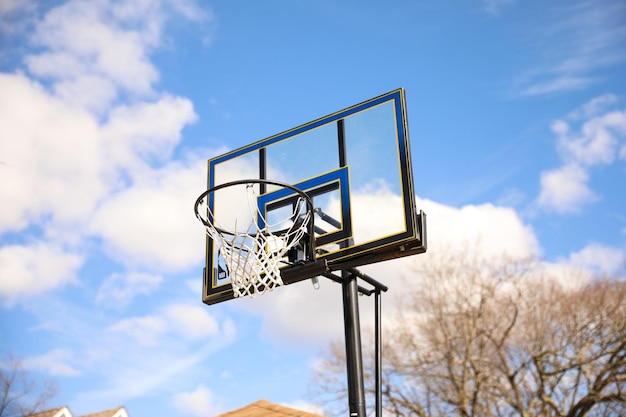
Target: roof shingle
(114, 412)
(264, 408)
(55, 412)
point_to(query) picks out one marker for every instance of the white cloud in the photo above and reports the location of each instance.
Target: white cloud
(60, 163)
(192, 321)
(101, 92)
(57, 164)
(12, 6)
(118, 290)
(563, 273)
(493, 7)
(376, 203)
(156, 353)
(140, 133)
(105, 45)
(319, 317)
(600, 258)
(189, 322)
(53, 362)
(557, 85)
(50, 157)
(565, 189)
(30, 270)
(199, 402)
(575, 42)
(497, 231)
(560, 128)
(85, 33)
(10, 10)
(595, 142)
(191, 10)
(83, 125)
(151, 224)
(145, 330)
(140, 372)
(593, 107)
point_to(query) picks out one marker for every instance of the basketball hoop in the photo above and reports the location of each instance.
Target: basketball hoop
(252, 248)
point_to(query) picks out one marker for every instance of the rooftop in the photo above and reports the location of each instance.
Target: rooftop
(264, 408)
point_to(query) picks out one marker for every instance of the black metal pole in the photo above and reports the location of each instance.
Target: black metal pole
(341, 143)
(378, 353)
(354, 357)
(262, 169)
(352, 325)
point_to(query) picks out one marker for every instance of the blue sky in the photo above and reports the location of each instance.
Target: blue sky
(110, 109)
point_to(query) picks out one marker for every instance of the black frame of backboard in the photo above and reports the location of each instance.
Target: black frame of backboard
(411, 241)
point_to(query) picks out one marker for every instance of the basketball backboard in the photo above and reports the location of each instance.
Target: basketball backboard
(355, 164)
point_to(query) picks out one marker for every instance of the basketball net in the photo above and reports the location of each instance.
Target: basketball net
(254, 255)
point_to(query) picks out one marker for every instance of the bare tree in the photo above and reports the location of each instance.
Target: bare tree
(20, 395)
(498, 339)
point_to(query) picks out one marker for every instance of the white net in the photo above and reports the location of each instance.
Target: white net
(254, 253)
